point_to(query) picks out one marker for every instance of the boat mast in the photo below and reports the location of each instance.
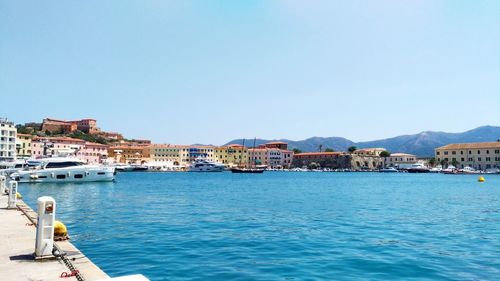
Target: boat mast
(241, 152)
(254, 139)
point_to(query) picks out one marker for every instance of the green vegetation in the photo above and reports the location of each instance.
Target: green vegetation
(385, 153)
(23, 129)
(433, 162)
(329, 150)
(296, 150)
(454, 162)
(351, 149)
(88, 137)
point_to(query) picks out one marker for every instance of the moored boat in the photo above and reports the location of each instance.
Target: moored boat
(389, 170)
(418, 168)
(247, 170)
(202, 165)
(59, 169)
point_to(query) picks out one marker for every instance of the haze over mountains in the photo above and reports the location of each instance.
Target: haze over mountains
(421, 144)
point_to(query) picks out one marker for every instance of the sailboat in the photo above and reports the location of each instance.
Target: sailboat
(247, 170)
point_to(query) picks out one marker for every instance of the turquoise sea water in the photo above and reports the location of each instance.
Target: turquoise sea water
(285, 226)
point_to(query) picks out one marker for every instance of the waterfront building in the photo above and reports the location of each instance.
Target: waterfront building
(53, 146)
(166, 154)
(206, 152)
(479, 155)
(258, 156)
(273, 154)
(275, 144)
(332, 160)
(369, 161)
(287, 158)
(338, 160)
(400, 160)
(369, 151)
(232, 155)
(8, 134)
(93, 153)
(274, 158)
(23, 145)
(129, 154)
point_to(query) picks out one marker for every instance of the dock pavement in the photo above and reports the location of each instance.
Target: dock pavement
(17, 245)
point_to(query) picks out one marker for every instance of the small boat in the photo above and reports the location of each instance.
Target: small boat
(389, 170)
(60, 169)
(436, 169)
(130, 168)
(418, 168)
(247, 170)
(469, 170)
(450, 170)
(201, 165)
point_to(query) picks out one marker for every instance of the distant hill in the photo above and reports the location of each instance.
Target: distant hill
(421, 144)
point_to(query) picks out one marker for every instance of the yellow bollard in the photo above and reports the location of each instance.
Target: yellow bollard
(18, 195)
(60, 229)
(481, 179)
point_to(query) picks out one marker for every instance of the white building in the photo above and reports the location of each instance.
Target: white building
(401, 160)
(7, 140)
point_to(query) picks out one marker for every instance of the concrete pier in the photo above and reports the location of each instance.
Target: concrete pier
(17, 245)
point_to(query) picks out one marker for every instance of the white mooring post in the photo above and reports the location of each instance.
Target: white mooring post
(45, 227)
(12, 195)
(3, 185)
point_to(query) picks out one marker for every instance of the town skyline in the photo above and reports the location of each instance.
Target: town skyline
(421, 144)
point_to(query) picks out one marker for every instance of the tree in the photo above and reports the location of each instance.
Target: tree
(454, 162)
(320, 148)
(23, 129)
(329, 150)
(444, 163)
(351, 149)
(296, 150)
(385, 153)
(432, 162)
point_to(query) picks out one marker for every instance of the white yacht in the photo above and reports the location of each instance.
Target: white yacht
(60, 169)
(206, 166)
(7, 168)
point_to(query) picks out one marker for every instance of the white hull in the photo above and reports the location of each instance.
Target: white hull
(206, 166)
(207, 169)
(84, 173)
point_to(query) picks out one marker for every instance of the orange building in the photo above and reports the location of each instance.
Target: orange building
(57, 126)
(129, 154)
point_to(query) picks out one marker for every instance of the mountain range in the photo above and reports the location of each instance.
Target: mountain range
(421, 144)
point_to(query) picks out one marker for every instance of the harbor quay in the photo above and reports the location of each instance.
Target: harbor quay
(17, 247)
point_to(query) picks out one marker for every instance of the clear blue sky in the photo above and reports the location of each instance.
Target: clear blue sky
(211, 71)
